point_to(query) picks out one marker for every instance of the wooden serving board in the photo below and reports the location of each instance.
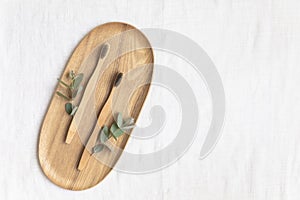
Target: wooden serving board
(59, 160)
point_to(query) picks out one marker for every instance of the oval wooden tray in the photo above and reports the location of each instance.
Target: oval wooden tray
(59, 160)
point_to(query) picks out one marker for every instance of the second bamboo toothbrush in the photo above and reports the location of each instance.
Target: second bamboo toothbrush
(100, 122)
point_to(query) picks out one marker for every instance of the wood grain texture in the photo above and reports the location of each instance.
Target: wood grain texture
(59, 160)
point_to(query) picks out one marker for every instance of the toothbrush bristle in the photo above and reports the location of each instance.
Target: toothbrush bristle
(104, 50)
(118, 79)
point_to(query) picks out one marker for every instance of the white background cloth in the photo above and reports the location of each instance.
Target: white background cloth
(255, 45)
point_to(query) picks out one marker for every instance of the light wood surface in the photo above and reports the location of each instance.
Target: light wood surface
(59, 160)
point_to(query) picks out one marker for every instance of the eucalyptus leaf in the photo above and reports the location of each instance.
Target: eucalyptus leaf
(98, 148)
(113, 127)
(63, 83)
(76, 81)
(105, 130)
(76, 91)
(119, 120)
(68, 108)
(74, 110)
(117, 133)
(63, 96)
(103, 137)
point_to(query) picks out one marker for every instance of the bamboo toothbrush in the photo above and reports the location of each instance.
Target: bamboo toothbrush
(89, 92)
(103, 116)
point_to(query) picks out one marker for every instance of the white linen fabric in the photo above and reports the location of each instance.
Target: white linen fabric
(255, 46)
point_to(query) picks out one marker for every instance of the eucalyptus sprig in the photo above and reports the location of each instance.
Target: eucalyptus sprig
(120, 126)
(73, 89)
(116, 130)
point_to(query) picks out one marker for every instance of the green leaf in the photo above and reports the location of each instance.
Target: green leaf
(76, 91)
(117, 133)
(113, 127)
(62, 95)
(98, 148)
(68, 108)
(103, 136)
(119, 120)
(105, 130)
(77, 81)
(74, 110)
(63, 83)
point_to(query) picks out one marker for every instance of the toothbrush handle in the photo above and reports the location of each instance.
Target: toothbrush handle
(103, 117)
(89, 91)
